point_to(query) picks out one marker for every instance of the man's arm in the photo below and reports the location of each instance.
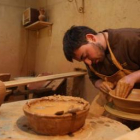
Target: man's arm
(104, 86)
(99, 83)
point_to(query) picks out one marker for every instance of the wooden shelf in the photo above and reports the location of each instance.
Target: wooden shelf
(38, 25)
(43, 78)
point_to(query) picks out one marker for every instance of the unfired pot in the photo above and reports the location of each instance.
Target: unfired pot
(130, 104)
(56, 124)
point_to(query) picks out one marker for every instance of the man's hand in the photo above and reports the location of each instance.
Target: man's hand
(125, 85)
(104, 85)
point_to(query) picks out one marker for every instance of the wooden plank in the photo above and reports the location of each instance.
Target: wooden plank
(38, 85)
(38, 25)
(55, 84)
(43, 78)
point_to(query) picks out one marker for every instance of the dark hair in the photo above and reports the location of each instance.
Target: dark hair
(74, 38)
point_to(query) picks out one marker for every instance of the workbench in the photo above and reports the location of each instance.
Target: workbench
(14, 126)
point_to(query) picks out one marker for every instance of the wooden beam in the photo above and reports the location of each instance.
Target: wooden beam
(43, 78)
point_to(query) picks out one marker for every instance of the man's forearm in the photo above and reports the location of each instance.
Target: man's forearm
(135, 76)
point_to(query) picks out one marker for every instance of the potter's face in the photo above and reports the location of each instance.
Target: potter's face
(90, 53)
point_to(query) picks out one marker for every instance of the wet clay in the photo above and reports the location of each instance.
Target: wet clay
(130, 104)
(51, 107)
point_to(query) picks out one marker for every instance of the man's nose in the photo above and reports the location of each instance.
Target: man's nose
(87, 61)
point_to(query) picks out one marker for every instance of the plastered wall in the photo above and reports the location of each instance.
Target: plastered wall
(17, 45)
(62, 14)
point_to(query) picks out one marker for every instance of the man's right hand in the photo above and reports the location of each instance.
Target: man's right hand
(104, 86)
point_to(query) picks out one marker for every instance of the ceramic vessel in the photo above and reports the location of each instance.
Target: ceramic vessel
(130, 104)
(2, 92)
(41, 16)
(56, 124)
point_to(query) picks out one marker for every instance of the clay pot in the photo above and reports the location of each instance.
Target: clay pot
(41, 17)
(56, 124)
(131, 104)
(2, 92)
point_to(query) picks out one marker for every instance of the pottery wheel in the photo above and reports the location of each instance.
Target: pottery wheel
(110, 108)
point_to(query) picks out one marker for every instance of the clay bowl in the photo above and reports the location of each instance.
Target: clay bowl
(130, 104)
(56, 115)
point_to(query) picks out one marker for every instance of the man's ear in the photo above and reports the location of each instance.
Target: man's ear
(90, 38)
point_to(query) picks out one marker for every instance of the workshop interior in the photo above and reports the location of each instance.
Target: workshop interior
(43, 96)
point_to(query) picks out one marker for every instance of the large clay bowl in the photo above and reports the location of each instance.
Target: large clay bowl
(51, 124)
(130, 104)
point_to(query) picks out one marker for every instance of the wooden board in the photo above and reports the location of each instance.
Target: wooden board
(14, 125)
(55, 84)
(38, 25)
(43, 78)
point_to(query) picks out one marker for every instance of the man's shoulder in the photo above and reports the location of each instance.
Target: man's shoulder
(121, 30)
(123, 33)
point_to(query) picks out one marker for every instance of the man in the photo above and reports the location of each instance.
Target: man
(111, 56)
